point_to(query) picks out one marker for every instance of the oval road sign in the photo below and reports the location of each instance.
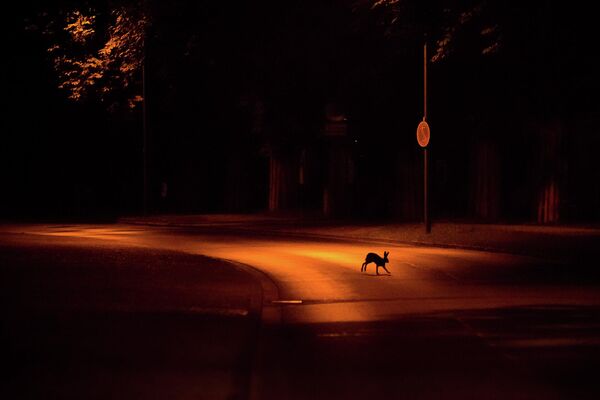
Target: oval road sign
(423, 134)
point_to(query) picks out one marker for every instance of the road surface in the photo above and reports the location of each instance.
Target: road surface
(446, 323)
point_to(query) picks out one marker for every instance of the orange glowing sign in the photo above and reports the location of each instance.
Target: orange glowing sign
(423, 134)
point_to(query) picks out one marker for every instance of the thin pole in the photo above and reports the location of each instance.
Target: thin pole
(145, 140)
(426, 218)
(426, 191)
(425, 81)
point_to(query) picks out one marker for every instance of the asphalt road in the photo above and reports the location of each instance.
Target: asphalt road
(445, 324)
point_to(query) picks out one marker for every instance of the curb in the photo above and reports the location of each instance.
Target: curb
(269, 314)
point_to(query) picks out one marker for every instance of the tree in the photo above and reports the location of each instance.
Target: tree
(461, 35)
(98, 55)
(445, 22)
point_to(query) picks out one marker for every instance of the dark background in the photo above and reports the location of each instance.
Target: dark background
(237, 100)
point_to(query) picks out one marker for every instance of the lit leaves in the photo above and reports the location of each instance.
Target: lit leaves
(489, 34)
(79, 26)
(444, 45)
(457, 19)
(492, 33)
(104, 65)
(379, 3)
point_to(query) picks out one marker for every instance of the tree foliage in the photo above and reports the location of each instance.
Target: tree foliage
(98, 56)
(445, 21)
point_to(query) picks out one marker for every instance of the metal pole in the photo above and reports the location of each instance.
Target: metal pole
(425, 82)
(145, 139)
(426, 218)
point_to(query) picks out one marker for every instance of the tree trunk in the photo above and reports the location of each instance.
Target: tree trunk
(409, 187)
(282, 182)
(485, 181)
(336, 192)
(548, 196)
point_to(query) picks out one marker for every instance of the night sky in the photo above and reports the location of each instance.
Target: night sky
(238, 93)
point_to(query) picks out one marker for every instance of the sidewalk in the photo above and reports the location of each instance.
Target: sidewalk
(561, 243)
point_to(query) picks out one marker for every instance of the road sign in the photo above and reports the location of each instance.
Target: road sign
(423, 134)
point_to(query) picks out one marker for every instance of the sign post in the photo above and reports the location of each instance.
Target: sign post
(423, 135)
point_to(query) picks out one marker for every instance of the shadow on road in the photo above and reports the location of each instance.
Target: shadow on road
(91, 322)
(537, 352)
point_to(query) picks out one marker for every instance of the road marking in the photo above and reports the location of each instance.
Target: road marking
(286, 301)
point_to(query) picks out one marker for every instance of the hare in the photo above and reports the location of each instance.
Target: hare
(379, 262)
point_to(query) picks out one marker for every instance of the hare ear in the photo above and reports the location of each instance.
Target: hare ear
(385, 253)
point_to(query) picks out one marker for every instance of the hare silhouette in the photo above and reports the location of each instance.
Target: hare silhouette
(379, 262)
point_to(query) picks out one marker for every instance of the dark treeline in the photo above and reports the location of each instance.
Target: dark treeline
(313, 106)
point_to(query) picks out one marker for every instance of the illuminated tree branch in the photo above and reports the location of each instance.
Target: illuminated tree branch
(103, 66)
(456, 18)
